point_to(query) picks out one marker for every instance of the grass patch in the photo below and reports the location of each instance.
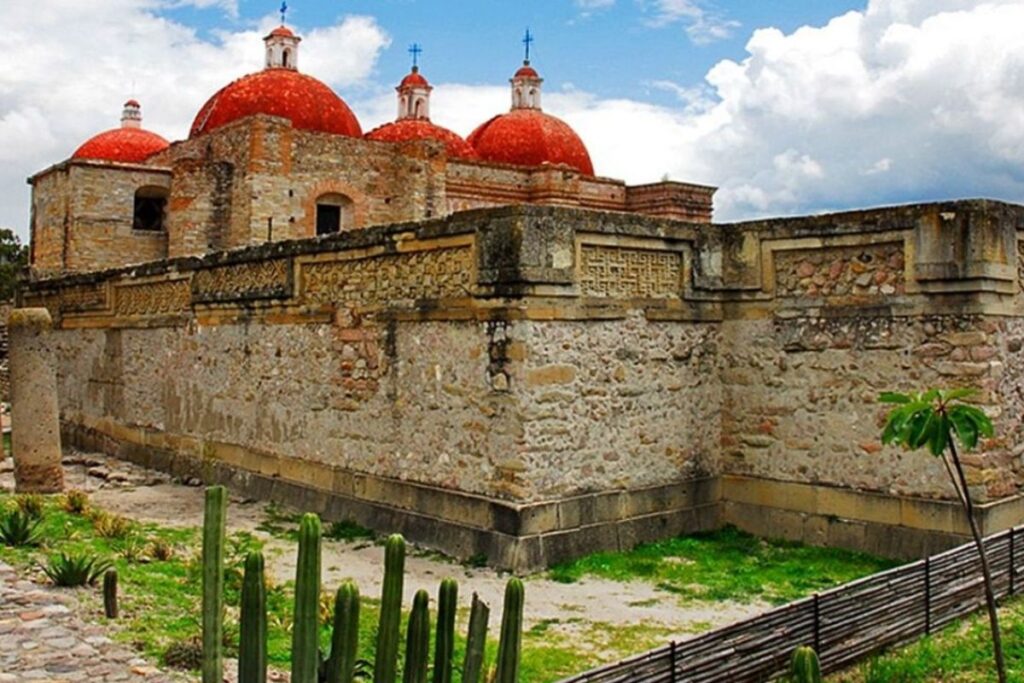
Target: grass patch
(727, 565)
(961, 653)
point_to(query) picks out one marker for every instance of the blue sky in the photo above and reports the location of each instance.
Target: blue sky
(789, 107)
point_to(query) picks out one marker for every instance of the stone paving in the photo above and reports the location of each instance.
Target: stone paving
(42, 640)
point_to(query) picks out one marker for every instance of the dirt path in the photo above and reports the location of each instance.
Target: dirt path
(149, 496)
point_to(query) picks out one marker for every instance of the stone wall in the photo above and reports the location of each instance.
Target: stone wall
(535, 383)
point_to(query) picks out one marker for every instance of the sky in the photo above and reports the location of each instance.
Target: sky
(789, 107)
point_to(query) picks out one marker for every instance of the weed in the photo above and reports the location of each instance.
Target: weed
(132, 548)
(18, 528)
(75, 569)
(75, 502)
(347, 530)
(112, 526)
(32, 504)
(185, 654)
(160, 550)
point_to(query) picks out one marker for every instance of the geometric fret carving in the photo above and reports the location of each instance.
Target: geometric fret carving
(253, 280)
(621, 273)
(433, 274)
(153, 298)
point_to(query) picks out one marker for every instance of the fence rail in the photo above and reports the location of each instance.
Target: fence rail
(844, 624)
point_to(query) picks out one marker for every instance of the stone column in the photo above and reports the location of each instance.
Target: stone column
(35, 425)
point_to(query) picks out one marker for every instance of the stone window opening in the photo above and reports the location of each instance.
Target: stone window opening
(333, 214)
(150, 209)
(285, 58)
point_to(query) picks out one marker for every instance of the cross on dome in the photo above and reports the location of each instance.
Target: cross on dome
(415, 50)
(414, 91)
(527, 41)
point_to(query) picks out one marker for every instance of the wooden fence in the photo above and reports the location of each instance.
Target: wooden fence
(844, 624)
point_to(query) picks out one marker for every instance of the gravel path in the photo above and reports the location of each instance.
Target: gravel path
(43, 640)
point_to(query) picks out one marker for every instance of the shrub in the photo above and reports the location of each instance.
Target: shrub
(75, 502)
(75, 569)
(112, 526)
(31, 504)
(17, 528)
(133, 548)
(160, 550)
(186, 655)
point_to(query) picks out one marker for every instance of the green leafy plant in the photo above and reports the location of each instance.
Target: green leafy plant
(133, 548)
(70, 570)
(31, 504)
(937, 420)
(76, 502)
(112, 526)
(19, 529)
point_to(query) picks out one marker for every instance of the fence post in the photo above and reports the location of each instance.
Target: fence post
(817, 626)
(1013, 562)
(928, 595)
(672, 650)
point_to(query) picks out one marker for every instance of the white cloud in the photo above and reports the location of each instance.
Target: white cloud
(71, 65)
(703, 25)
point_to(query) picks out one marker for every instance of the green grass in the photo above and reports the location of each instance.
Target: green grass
(962, 653)
(727, 565)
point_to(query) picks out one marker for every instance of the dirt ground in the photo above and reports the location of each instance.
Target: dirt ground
(148, 496)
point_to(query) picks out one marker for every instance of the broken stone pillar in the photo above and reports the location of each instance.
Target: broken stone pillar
(35, 425)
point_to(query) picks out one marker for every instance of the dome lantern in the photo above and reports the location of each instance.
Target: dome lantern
(414, 92)
(526, 88)
(282, 49)
(131, 116)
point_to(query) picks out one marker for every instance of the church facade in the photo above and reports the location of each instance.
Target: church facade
(277, 155)
(482, 345)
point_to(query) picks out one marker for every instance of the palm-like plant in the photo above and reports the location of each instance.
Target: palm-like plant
(75, 569)
(18, 528)
(931, 420)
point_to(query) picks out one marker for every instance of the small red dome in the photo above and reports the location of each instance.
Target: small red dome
(305, 101)
(526, 71)
(529, 137)
(420, 129)
(414, 79)
(282, 31)
(132, 103)
(128, 145)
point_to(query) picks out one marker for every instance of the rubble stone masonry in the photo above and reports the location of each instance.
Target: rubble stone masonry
(534, 383)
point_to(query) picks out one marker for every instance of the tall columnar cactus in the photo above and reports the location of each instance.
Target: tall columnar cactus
(389, 627)
(110, 593)
(417, 642)
(252, 645)
(341, 665)
(476, 641)
(804, 667)
(305, 628)
(214, 519)
(510, 645)
(444, 643)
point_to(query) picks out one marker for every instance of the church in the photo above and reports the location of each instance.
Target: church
(278, 155)
(485, 346)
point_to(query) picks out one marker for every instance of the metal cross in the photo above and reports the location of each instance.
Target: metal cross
(284, 10)
(527, 41)
(415, 50)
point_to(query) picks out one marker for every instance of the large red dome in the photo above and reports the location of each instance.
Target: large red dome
(421, 129)
(128, 145)
(529, 137)
(308, 103)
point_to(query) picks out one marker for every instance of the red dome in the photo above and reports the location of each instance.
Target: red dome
(128, 145)
(308, 103)
(282, 31)
(420, 129)
(529, 137)
(526, 71)
(414, 79)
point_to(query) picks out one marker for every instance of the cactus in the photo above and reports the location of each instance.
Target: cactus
(214, 518)
(476, 641)
(252, 646)
(510, 645)
(417, 643)
(110, 593)
(341, 665)
(389, 627)
(804, 667)
(444, 643)
(305, 629)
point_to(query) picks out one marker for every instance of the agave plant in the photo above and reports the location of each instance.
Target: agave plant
(18, 528)
(31, 504)
(75, 569)
(133, 548)
(75, 502)
(112, 526)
